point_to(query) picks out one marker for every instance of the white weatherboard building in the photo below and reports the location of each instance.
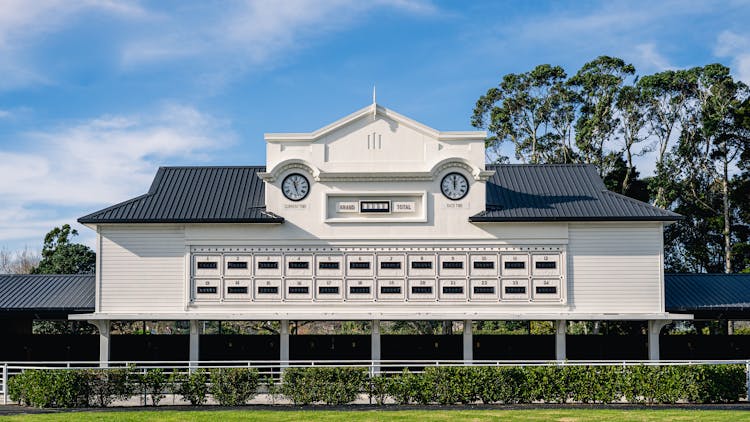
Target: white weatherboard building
(378, 217)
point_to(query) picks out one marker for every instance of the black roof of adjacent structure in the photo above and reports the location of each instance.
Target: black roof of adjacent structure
(195, 195)
(709, 296)
(548, 192)
(559, 192)
(47, 293)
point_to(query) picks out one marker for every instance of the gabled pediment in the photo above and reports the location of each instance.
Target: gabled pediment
(374, 140)
(374, 112)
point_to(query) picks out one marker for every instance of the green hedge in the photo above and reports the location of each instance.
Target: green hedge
(70, 388)
(326, 385)
(192, 386)
(561, 384)
(440, 385)
(234, 386)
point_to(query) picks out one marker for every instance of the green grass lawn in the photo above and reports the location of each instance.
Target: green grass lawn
(562, 415)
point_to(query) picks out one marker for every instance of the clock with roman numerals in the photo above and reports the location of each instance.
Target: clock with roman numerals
(295, 187)
(454, 186)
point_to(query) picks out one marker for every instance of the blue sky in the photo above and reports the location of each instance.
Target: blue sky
(96, 94)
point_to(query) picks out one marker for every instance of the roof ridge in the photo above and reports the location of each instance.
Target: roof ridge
(707, 274)
(539, 165)
(47, 275)
(214, 167)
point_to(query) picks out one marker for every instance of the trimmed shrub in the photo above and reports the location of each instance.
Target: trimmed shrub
(328, 385)
(546, 383)
(450, 384)
(234, 386)
(191, 386)
(51, 388)
(155, 382)
(401, 387)
(379, 388)
(504, 384)
(108, 385)
(717, 383)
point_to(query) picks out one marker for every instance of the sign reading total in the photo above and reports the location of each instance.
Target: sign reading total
(404, 207)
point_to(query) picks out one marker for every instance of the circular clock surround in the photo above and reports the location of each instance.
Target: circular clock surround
(455, 186)
(295, 187)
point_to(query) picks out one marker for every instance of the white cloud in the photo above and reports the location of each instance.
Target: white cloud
(96, 163)
(233, 35)
(25, 23)
(737, 48)
(648, 59)
(254, 32)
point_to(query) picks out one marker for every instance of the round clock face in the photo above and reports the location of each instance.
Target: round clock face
(454, 186)
(295, 187)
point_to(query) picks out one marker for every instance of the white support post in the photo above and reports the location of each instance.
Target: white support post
(375, 345)
(654, 328)
(468, 342)
(104, 336)
(561, 327)
(5, 383)
(284, 342)
(194, 345)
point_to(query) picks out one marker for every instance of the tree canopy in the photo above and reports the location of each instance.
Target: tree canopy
(696, 122)
(60, 256)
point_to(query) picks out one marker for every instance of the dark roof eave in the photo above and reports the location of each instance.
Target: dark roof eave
(269, 220)
(5, 311)
(482, 219)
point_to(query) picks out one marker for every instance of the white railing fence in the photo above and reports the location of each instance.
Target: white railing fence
(272, 370)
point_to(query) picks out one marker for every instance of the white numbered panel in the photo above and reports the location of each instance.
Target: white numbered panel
(206, 265)
(514, 289)
(360, 289)
(421, 265)
(546, 289)
(298, 265)
(327, 289)
(237, 289)
(207, 289)
(514, 264)
(360, 265)
(545, 264)
(391, 290)
(391, 265)
(238, 265)
(268, 265)
(483, 265)
(298, 290)
(452, 265)
(422, 290)
(268, 289)
(483, 289)
(452, 290)
(329, 265)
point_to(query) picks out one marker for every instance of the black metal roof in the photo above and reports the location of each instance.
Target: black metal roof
(549, 192)
(68, 293)
(195, 195)
(708, 295)
(559, 192)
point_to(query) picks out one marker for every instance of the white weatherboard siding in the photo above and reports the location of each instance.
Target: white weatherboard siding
(615, 267)
(142, 269)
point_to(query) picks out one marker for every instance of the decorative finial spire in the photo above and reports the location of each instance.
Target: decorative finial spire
(374, 103)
